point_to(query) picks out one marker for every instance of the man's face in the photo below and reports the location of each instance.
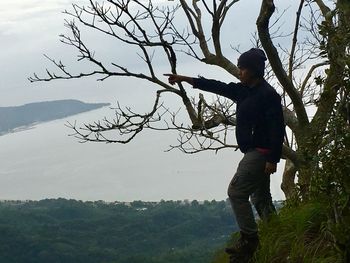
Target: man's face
(245, 76)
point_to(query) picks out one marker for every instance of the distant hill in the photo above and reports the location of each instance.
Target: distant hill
(73, 231)
(12, 118)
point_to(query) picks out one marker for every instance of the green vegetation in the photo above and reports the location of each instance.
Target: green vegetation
(75, 231)
(298, 234)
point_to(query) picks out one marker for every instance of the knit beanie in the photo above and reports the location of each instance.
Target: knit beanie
(253, 60)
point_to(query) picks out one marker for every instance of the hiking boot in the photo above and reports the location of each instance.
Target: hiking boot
(246, 245)
(237, 258)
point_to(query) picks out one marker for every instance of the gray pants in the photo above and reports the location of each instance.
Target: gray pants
(250, 180)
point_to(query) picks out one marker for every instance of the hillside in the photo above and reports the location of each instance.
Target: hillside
(12, 118)
(299, 234)
(75, 231)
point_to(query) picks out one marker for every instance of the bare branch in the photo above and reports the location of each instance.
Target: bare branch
(323, 7)
(194, 17)
(128, 123)
(309, 75)
(289, 153)
(295, 39)
(290, 119)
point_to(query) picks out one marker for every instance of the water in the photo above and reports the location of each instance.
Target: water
(44, 162)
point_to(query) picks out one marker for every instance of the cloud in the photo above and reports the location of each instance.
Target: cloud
(17, 14)
(19, 10)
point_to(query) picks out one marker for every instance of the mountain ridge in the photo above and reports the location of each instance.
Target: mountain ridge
(13, 118)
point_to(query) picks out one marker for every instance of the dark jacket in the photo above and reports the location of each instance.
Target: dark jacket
(260, 122)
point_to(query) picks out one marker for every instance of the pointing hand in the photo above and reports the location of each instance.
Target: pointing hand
(174, 78)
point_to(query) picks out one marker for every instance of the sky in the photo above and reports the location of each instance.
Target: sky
(44, 162)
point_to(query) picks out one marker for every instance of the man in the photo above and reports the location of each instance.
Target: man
(259, 133)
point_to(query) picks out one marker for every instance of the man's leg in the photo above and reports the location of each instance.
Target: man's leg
(248, 177)
(262, 200)
(240, 188)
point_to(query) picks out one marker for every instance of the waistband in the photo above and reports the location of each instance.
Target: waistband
(260, 150)
(263, 150)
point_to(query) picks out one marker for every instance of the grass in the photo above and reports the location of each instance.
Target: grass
(297, 235)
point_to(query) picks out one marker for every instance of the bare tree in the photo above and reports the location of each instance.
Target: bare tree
(321, 47)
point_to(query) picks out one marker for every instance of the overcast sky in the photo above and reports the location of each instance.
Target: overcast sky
(44, 162)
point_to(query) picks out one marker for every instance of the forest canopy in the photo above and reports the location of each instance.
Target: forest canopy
(74, 231)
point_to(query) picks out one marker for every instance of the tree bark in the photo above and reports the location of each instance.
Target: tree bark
(288, 184)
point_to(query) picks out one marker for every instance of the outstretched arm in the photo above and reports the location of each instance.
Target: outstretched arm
(232, 91)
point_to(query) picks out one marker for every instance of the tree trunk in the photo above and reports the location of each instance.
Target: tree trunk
(288, 184)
